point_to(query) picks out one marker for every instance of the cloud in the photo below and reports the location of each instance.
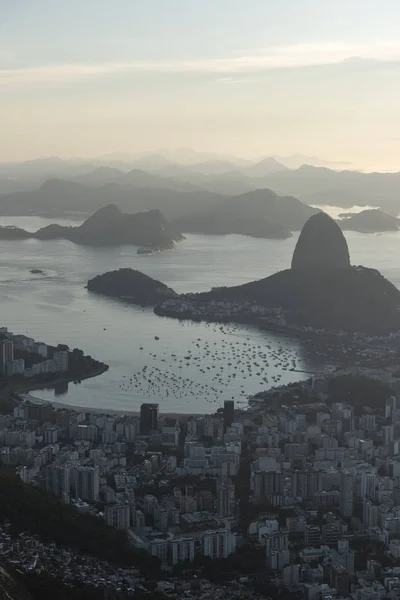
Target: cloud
(279, 57)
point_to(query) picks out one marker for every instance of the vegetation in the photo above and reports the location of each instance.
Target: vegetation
(132, 286)
(359, 391)
(31, 509)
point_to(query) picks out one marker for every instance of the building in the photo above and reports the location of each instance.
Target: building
(118, 515)
(229, 412)
(61, 360)
(306, 483)
(170, 433)
(58, 480)
(340, 580)
(291, 575)
(218, 543)
(6, 355)
(37, 410)
(346, 494)
(148, 418)
(225, 498)
(181, 550)
(86, 483)
(16, 367)
(312, 537)
(267, 483)
(50, 434)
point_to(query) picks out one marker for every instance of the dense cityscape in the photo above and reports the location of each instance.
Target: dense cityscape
(298, 494)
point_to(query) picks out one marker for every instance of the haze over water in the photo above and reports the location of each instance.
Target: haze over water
(192, 368)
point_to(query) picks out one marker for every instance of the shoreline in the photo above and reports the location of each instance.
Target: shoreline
(11, 388)
(27, 389)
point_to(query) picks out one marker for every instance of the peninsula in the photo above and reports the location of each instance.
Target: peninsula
(109, 227)
(321, 291)
(27, 364)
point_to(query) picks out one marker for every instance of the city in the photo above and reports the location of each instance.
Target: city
(306, 481)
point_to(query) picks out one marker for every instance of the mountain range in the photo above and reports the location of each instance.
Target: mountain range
(184, 184)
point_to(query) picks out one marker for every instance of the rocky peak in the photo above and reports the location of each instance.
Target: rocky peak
(321, 245)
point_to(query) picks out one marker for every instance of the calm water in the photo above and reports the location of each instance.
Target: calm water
(192, 367)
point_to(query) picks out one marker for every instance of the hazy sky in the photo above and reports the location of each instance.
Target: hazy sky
(249, 77)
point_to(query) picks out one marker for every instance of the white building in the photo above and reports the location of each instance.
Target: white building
(118, 515)
(218, 543)
(61, 360)
(50, 434)
(86, 483)
(181, 550)
(225, 498)
(16, 367)
(40, 348)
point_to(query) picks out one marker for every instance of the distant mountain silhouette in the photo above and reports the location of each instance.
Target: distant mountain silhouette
(260, 214)
(182, 182)
(294, 161)
(57, 197)
(318, 185)
(109, 227)
(369, 221)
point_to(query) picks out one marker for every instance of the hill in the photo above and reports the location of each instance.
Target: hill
(30, 509)
(61, 198)
(369, 221)
(109, 227)
(321, 291)
(131, 286)
(322, 186)
(260, 213)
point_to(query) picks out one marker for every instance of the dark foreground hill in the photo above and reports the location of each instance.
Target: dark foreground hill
(109, 227)
(30, 509)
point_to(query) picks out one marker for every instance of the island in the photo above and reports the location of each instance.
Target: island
(109, 226)
(131, 286)
(37, 272)
(260, 214)
(321, 292)
(368, 221)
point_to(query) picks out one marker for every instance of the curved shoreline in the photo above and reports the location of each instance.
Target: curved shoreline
(11, 388)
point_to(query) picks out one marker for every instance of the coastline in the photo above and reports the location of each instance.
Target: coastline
(11, 389)
(27, 388)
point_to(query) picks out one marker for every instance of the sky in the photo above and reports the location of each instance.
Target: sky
(246, 77)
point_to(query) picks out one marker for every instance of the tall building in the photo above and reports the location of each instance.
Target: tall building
(181, 550)
(6, 355)
(266, 483)
(306, 483)
(118, 515)
(58, 480)
(86, 483)
(346, 494)
(229, 411)
(148, 418)
(225, 498)
(218, 543)
(38, 410)
(340, 579)
(61, 360)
